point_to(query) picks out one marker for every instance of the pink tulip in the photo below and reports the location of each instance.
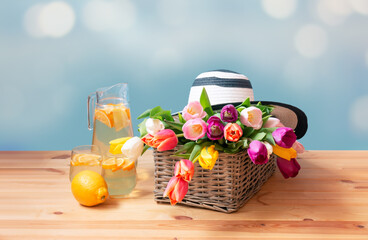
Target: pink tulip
(273, 122)
(176, 189)
(298, 147)
(194, 129)
(193, 110)
(284, 137)
(257, 152)
(184, 169)
(163, 140)
(251, 117)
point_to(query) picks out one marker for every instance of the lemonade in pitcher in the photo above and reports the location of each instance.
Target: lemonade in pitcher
(109, 110)
(111, 121)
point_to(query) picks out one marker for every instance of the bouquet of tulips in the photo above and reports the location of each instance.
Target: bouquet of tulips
(200, 133)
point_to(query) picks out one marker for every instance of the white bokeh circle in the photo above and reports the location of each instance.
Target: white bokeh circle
(279, 8)
(115, 15)
(311, 41)
(55, 19)
(333, 12)
(360, 6)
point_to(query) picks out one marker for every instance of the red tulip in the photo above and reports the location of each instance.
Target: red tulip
(163, 140)
(288, 168)
(184, 169)
(176, 189)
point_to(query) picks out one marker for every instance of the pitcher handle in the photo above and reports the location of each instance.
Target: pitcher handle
(90, 109)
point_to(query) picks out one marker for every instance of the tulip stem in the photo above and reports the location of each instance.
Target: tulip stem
(180, 135)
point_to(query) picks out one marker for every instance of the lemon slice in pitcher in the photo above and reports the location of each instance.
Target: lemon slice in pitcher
(120, 118)
(103, 117)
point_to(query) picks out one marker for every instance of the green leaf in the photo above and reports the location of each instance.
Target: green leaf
(240, 109)
(142, 128)
(264, 119)
(181, 119)
(246, 103)
(248, 131)
(161, 114)
(195, 152)
(144, 114)
(258, 136)
(269, 139)
(175, 125)
(185, 156)
(205, 102)
(218, 147)
(188, 147)
(221, 141)
(155, 110)
(268, 130)
(145, 149)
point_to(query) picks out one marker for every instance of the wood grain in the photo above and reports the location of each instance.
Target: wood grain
(327, 200)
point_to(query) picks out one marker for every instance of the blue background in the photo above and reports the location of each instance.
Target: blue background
(311, 54)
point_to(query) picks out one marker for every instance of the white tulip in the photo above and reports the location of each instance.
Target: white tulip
(269, 148)
(153, 126)
(133, 148)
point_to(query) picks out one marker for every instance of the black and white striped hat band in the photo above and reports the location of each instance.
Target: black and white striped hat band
(224, 87)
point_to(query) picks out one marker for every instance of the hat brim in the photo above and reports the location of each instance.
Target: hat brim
(289, 115)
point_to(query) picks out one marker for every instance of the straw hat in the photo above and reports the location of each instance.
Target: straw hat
(224, 87)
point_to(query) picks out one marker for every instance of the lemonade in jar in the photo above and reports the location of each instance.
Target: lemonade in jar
(86, 157)
(120, 175)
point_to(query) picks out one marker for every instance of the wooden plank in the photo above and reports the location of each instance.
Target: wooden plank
(328, 200)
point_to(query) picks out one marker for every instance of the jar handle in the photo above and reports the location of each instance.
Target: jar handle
(91, 109)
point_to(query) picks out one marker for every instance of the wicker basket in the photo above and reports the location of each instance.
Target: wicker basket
(226, 188)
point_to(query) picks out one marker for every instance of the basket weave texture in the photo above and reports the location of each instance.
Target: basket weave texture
(226, 188)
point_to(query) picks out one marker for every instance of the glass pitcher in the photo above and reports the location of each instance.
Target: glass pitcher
(109, 109)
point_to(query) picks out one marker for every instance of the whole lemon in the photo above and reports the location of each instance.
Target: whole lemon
(89, 188)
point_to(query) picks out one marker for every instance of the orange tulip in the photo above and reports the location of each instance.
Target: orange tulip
(233, 132)
(163, 140)
(184, 169)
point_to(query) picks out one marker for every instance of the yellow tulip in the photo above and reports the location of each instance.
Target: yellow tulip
(208, 157)
(117, 144)
(286, 153)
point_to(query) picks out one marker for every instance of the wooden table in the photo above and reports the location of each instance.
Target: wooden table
(327, 200)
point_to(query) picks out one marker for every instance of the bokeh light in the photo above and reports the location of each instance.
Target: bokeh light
(279, 8)
(113, 15)
(360, 6)
(55, 19)
(31, 21)
(359, 115)
(56, 52)
(311, 41)
(333, 12)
